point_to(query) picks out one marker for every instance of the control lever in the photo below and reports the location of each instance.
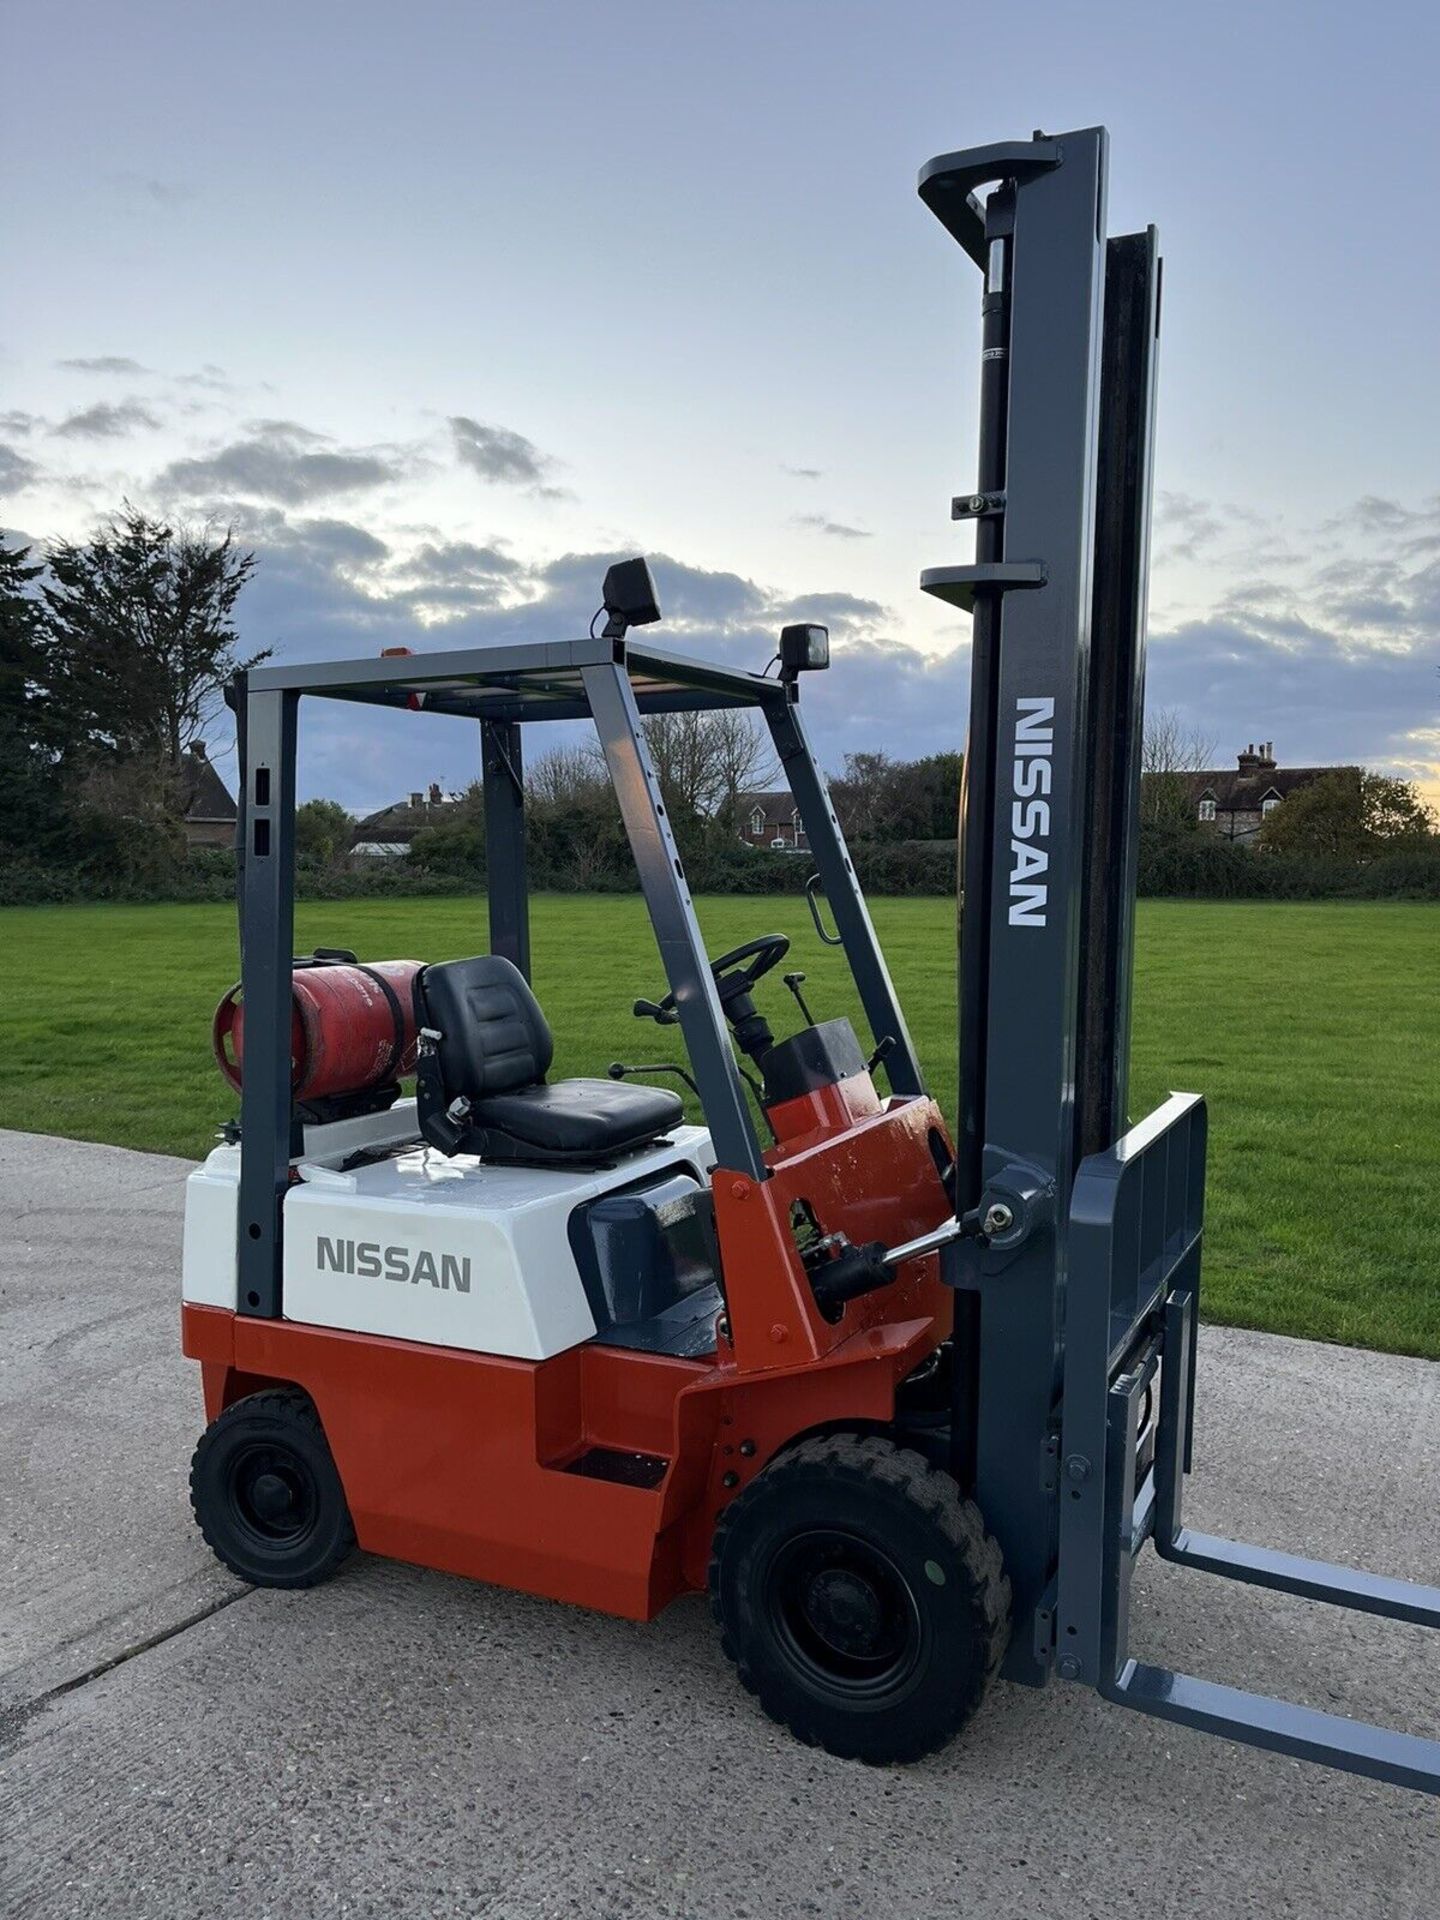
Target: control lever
(662, 1016)
(794, 981)
(617, 1070)
(970, 1226)
(847, 1271)
(882, 1052)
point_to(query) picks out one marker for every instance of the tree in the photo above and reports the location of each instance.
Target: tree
(883, 799)
(322, 830)
(1350, 814)
(140, 637)
(1171, 749)
(704, 761)
(742, 761)
(28, 770)
(927, 799)
(567, 776)
(867, 797)
(573, 828)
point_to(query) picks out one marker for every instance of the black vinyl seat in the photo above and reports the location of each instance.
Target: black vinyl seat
(485, 1049)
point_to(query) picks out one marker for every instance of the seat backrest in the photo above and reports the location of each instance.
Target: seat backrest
(494, 1036)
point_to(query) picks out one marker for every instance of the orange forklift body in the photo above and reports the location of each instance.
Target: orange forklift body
(484, 1466)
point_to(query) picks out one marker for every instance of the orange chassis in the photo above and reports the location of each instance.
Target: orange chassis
(468, 1463)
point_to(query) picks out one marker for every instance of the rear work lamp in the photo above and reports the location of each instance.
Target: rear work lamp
(803, 649)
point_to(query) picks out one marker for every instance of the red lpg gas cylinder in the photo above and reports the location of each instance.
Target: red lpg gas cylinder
(351, 1027)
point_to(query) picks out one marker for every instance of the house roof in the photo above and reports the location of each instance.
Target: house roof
(203, 794)
(778, 807)
(1237, 792)
(401, 821)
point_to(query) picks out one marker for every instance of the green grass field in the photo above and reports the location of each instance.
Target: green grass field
(1314, 1031)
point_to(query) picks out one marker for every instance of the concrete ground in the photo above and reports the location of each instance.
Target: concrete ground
(399, 1743)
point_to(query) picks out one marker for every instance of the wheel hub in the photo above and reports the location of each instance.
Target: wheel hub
(845, 1610)
(272, 1497)
(272, 1494)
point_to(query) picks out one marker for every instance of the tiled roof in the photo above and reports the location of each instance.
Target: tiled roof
(1236, 792)
(204, 794)
(778, 808)
(401, 821)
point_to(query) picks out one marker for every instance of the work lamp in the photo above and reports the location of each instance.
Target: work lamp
(803, 649)
(629, 597)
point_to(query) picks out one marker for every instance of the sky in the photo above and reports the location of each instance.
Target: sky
(444, 306)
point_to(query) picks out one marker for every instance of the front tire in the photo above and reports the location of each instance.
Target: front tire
(266, 1494)
(860, 1598)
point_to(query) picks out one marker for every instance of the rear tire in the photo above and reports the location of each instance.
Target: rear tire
(860, 1598)
(266, 1494)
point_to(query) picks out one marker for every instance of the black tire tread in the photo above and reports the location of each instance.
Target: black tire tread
(856, 1459)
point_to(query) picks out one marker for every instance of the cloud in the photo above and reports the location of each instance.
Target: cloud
(16, 472)
(1185, 524)
(692, 599)
(279, 461)
(324, 589)
(338, 543)
(454, 559)
(1332, 658)
(212, 378)
(1372, 513)
(440, 581)
(460, 564)
(836, 529)
(498, 454)
(846, 614)
(289, 431)
(1320, 699)
(103, 363)
(338, 549)
(21, 424)
(105, 421)
(160, 193)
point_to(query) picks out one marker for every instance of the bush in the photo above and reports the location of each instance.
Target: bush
(453, 850)
(1188, 863)
(914, 867)
(1184, 861)
(1176, 862)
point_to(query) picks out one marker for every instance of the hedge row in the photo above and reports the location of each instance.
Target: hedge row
(1186, 863)
(1175, 863)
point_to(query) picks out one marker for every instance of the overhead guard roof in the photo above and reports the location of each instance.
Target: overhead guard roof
(537, 681)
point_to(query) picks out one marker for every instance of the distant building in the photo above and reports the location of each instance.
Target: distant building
(388, 833)
(1234, 804)
(208, 807)
(771, 820)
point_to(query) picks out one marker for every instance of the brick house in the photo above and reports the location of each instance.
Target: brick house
(388, 833)
(207, 805)
(771, 819)
(1235, 803)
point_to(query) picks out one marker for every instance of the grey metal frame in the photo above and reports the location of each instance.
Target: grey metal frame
(847, 902)
(677, 932)
(267, 819)
(507, 890)
(1019, 1020)
(612, 682)
(1083, 1303)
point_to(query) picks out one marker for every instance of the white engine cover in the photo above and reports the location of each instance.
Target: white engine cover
(454, 1252)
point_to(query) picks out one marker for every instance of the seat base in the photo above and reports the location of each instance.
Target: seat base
(571, 1122)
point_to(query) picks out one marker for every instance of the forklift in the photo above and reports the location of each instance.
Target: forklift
(907, 1404)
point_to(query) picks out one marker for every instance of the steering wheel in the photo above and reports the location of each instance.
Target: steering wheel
(732, 977)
